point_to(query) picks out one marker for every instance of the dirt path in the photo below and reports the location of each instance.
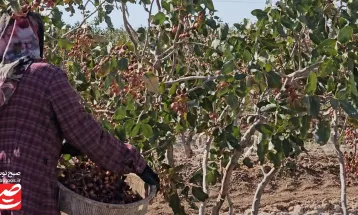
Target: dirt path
(313, 188)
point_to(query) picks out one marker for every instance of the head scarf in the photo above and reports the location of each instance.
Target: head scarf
(21, 43)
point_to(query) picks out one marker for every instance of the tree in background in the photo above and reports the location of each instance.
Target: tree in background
(273, 85)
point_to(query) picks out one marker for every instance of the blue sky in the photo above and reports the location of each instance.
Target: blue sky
(230, 11)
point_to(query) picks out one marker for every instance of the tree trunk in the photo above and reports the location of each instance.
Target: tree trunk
(342, 174)
(169, 154)
(260, 189)
(231, 205)
(186, 144)
(226, 181)
(204, 167)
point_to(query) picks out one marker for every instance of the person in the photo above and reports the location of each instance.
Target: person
(38, 110)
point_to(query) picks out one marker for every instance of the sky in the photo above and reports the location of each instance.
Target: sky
(230, 11)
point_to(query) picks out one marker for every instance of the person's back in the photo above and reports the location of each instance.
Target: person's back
(30, 139)
(44, 110)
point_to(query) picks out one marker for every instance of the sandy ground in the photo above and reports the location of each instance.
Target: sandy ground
(312, 189)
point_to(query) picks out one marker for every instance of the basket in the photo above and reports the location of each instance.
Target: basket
(72, 203)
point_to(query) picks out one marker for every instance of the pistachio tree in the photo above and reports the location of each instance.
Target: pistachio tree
(272, 84)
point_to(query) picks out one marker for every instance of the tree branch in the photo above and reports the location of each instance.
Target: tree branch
(155, 148)
(129, 32)
(244, 142)
(169, 154)
(158, 5)
(168, 55)
(221, 117)
(191, 78)
(148, 28)
(260, 189)
(133, 31)
(205, 167)
(128, 28)
(241, 109)
(173, 67)
(335, 141)
(166, 52)
(104, 111)
(171, 49)
(203, 45)
(84, 20)
(282, 88)
(305, 71)
(186, 144)
(255, 144)
(293, 50)
(343, 127)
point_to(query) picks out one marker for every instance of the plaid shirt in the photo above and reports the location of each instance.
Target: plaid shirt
(44, 110)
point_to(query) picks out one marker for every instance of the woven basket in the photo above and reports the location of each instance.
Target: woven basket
(72, 203)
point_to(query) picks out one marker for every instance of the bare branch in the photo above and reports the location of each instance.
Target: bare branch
(168, 55)
(84, 20)
(166, 52)
(305, 71)
(129, 31)
(155, 148)
(293, 50)
(191, 78)
(145, 8)
(282, 88)
(104, 111)
(173, 67)
(133, 31)
(177, 33)
(126, 26)
(140, 115)
(200, 86)
(148, 28)
(344, 127)
(223, 113)
(158, 5)
(82, 23)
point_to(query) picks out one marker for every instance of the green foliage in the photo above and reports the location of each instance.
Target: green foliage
(208, 77)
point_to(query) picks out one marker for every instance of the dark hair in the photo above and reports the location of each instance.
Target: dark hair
(40, 31)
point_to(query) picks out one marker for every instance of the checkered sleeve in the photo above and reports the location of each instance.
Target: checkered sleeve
(84, 133)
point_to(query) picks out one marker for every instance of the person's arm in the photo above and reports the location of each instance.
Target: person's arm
(83, 132)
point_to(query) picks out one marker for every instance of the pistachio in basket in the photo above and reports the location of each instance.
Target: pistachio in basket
(93, 182)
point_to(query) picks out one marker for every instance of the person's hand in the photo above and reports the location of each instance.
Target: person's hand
(150, 177)
(67, 148)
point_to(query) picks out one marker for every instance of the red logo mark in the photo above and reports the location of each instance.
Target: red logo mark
(10, 196)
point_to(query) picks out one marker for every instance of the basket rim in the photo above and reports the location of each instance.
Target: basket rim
(144, 201)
